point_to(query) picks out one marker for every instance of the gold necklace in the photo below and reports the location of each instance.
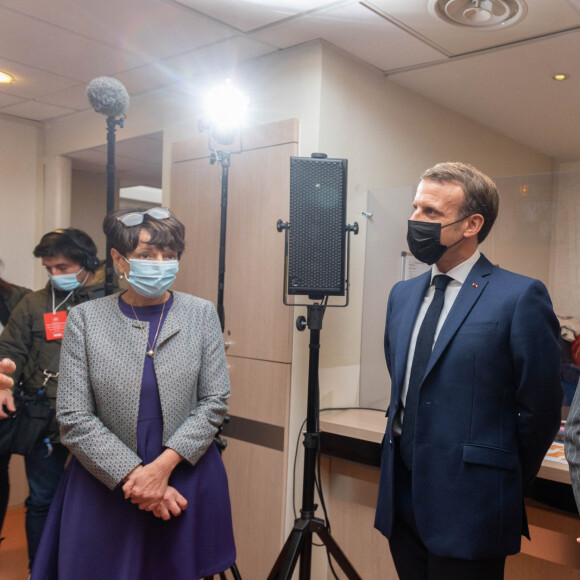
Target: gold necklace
(151, 350)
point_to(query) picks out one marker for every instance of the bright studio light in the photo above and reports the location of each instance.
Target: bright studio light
(225, 107)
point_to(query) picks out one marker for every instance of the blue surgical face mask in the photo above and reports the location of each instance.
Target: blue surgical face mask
(151, 278)
(66, 282)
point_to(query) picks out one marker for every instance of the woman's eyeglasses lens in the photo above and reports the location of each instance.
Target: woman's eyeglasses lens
(135, 218)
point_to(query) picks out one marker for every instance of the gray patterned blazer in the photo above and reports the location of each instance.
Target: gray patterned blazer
(572, 444)
(101, 368)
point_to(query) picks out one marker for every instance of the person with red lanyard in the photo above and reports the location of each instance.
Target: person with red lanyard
(29, 355)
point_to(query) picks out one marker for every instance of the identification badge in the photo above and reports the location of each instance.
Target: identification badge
(54, 324)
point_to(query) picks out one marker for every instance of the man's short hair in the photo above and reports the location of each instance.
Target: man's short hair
(71, 243)
(480, 191)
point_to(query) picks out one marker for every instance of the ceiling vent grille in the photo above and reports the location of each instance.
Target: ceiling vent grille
(482, 14)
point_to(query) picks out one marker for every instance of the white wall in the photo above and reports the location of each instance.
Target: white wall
(89, 205)
(20, 198)
(390, 135)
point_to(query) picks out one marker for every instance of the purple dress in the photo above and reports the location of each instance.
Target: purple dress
(94, 532)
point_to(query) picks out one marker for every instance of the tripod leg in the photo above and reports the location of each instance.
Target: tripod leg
(286, 561)
(222, 575)
(334, 550)
(306, 559)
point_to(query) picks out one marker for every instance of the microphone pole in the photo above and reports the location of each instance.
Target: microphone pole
(109, 97)
(112, 123)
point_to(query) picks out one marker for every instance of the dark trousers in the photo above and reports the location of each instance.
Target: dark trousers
(43, 472)
(4, 487)
(413, 560)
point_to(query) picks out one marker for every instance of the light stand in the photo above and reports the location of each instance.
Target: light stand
(112, 123)
(299, 542)
(220, 135)
(224, 105)
(223, 158)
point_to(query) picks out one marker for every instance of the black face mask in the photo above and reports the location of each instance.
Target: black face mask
(424, 240)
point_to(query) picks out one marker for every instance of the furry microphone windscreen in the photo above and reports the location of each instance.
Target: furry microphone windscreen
(108, 96)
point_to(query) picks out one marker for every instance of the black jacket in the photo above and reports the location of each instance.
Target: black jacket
(24, 339)
(9, 297)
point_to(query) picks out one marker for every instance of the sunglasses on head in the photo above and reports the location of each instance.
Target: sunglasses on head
(135, 218)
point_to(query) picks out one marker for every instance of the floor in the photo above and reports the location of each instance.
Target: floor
(13, 556)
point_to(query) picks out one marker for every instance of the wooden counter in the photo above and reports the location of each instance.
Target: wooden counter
(351, 442)
(369, 426)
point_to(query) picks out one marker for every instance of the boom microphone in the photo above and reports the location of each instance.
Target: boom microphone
(108, 96)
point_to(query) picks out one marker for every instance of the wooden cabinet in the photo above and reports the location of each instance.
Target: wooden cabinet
(256, 459)
(195, 201)
(258, 325)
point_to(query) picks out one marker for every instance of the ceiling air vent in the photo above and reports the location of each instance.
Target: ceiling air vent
(483, 14)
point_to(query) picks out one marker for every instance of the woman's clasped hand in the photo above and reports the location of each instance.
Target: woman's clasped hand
(147, 486)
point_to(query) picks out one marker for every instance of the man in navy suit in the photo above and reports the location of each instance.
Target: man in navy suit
(483, 408)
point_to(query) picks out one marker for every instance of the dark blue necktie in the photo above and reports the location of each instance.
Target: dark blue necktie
(423, 348)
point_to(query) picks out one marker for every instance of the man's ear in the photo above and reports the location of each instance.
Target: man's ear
(474, 223)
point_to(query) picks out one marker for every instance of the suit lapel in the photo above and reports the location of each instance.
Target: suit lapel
(469, 294)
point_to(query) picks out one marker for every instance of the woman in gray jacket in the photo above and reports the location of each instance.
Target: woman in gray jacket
(142, 393)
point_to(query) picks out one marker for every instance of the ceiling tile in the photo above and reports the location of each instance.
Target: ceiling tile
(6, 100)
(511, 91)
(36, 111)
(74, 97)
(67, 54)
(357, 30)
(248, 15)
(575, 4)
(30, 82)
(151, 29)
(221, 58)
(146, 78)
(543, 17)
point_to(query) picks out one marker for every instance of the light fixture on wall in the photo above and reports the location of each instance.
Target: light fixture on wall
(482, 14)
(560, 77)
(224, 111)
(5, 78)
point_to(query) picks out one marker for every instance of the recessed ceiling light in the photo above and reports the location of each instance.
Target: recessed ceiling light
(560, 76)
(5, 77)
